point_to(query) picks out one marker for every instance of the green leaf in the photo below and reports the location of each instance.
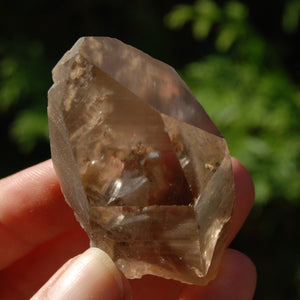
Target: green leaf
(179, 16)
(208, 9)
(236, 11)
(29, 126)
(201, 28)
(291, 16)
(226, 37)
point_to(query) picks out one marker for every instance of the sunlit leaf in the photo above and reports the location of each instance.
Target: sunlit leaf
(208, 9)
(201, 28)
(235, 10)
(29, 127)
(226, 38)
(179, 16)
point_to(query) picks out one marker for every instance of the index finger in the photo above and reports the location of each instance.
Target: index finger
(32, 211)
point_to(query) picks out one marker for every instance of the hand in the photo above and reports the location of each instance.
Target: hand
(38, 234)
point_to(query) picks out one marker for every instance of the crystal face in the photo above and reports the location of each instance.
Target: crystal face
(144, 168)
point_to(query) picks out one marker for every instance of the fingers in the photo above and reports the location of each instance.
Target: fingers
(91, 275)
(32, 211)
(236, 280)
(244, 197)
(151, 287)
(24, 277)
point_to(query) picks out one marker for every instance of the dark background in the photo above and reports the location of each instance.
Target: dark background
(244, 69)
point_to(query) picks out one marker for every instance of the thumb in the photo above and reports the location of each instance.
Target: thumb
(90, 275)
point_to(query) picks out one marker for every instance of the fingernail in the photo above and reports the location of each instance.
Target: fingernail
(91, 275)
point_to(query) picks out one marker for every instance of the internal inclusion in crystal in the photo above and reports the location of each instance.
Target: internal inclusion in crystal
(127, 158)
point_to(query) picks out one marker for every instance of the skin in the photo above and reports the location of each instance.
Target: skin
(39, 234)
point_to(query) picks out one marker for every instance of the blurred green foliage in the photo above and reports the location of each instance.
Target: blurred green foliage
(291, 16)
(24, 81)
(248, 95)
(206, 14)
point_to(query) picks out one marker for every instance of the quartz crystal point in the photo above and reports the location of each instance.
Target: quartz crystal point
(144, 168)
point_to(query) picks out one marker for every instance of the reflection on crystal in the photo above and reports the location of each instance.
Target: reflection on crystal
(144, 168)
(153, 154)
(119, 219)
(184, 161)
(115, 191)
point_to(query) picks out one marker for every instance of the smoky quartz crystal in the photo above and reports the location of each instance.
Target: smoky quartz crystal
(145, 170)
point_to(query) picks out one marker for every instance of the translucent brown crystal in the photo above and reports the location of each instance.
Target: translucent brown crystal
(144, 168)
